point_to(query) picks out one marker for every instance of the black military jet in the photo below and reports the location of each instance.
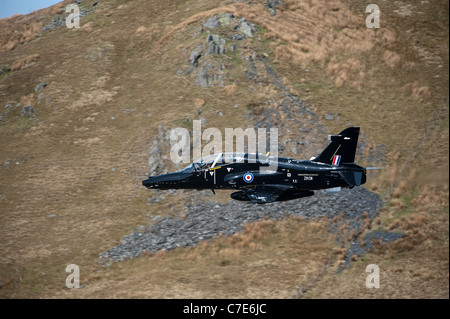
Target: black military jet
(265, 179)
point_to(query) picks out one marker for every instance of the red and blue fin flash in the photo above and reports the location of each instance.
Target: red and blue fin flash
(336, 159)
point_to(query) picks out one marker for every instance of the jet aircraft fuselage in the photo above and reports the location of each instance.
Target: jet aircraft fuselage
(264, 179)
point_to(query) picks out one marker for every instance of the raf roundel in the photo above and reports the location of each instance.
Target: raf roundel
(248, 177)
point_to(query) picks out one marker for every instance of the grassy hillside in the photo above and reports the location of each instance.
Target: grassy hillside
(71, 171)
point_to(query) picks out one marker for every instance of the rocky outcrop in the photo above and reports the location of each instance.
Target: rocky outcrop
(155, 161)
(216, 44)
(212, 23)
(206, 220)
(209, 72)
(246, 28)
(196, 55)
(222, 19)
(208, 75)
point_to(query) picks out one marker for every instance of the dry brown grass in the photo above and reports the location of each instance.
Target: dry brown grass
(346, 72)
(24, 62)
(399, 190)
(417, 91)
(19, 29)
(230, 89)
(199, 102)
(225, 266)
(431, 198)
(391, 58)
(9, 39)
(27, 99)
(252, 234)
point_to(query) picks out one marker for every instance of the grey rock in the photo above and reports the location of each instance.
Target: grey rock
(214, 48)
(379, 237)
(274, 3)
(57, 21)
(195, 55)
(154, 159)
(202, 78)
(27, 110)
(329, 116)
(216, 44)
(211, 48)
(245, 28)
(226, 18)
(40, 86)
(4, 69)
(217, 39)
(212, 23)
(237, 36)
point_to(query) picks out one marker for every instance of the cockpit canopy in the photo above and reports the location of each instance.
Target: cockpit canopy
(220, 159)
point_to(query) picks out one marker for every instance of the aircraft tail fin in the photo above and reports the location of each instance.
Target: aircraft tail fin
(342, 148)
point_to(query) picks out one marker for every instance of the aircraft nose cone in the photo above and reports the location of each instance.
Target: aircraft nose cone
(165, 181)
(150, 182)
